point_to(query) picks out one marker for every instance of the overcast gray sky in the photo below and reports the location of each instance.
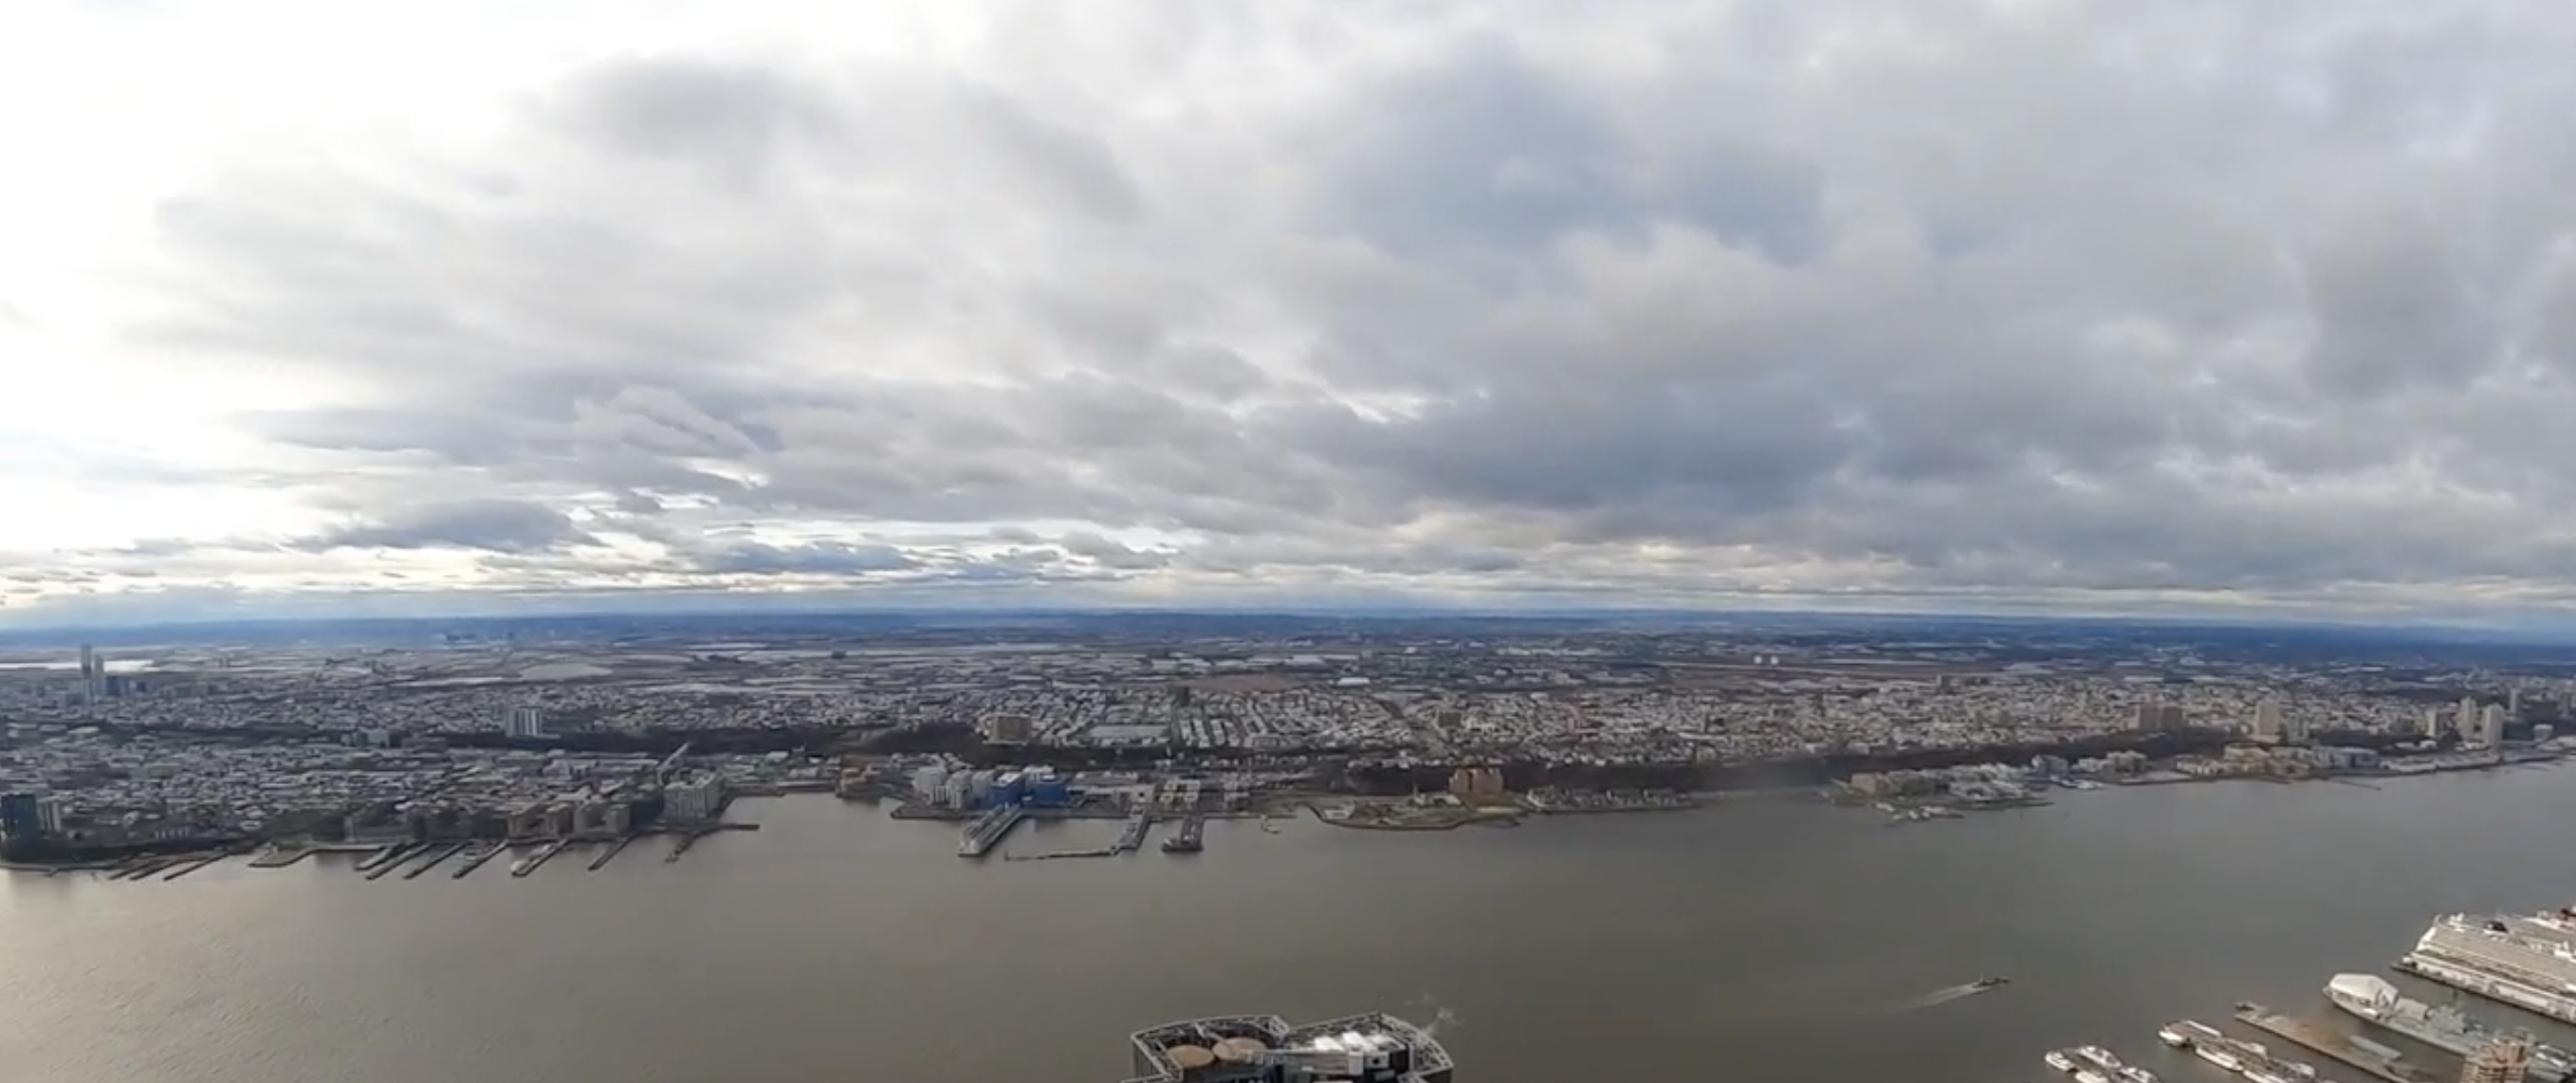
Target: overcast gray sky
(2190, 303)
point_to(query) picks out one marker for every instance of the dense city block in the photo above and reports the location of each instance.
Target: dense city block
(570, 729)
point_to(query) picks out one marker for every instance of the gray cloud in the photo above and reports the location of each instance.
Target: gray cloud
(501, 526)
(1669, 301)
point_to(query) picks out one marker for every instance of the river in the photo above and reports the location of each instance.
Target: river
(1764, 943)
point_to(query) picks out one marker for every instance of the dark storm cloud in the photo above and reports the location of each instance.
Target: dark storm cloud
(1646, 298)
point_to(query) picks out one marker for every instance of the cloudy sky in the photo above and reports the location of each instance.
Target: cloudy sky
(2189, 303)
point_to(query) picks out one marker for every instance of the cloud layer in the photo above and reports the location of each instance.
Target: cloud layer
(1643, 302)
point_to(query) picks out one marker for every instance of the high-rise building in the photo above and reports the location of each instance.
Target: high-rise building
(2170, 717)
(30, 815)
(693, 801)
(2432, 721)
(2465, 721)
(524, 722)
(2491, 726)
(2503, 1060)
(2267, 721)
(2150, 716)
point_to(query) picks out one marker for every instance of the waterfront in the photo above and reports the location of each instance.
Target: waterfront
(1756, 941)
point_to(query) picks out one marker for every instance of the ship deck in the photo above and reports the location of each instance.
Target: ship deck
(1155, 1062)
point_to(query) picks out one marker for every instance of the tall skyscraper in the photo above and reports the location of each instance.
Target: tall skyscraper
(89, 674)
(2491, 726)
(2432, 721)
(2465, 723)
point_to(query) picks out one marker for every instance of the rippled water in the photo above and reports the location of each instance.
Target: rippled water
(1760, 943)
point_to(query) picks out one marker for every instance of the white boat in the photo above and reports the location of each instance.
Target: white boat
(2259, 1075)
(2100, 1058)
(2088, 1075)
(2059, 1060)
(2130, 1073)
(2170, 1036)
(2219, 1057)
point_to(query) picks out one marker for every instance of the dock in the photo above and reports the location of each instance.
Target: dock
(2378, 1060)
(988, 830)
(377, 867)
(609, 854)
(383, 861)
(529, 864)
(189, 865)
(1133, 838)
(278, 857)
(476, 859)
(1188, 840)
(436, 855)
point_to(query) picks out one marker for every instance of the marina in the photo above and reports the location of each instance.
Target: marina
(2380, 1061)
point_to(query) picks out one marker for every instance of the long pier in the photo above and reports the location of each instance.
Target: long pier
(436, 855)
(390, 859)
(609, 854)
(529, 864)
(476, 859)
(2378, 1060)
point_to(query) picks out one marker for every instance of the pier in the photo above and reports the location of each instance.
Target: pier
(1188, 840)
(189, 865)
(388, 860)
(609, 854)
(528, 864)
(2378, 1060)
(278, 857)
(436, 855)
(383, 861)
(1133, 838)
(476, 859)
(988, 830)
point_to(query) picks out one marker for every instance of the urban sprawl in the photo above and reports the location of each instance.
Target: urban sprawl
(475, 739)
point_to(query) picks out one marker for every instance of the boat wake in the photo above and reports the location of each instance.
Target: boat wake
(1441, 1017)
(1939, 997)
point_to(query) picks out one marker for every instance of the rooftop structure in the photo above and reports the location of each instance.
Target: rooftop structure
(1368, 1048)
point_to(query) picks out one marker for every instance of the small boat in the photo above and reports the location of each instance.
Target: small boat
(1983, 984)
(2059, 1060)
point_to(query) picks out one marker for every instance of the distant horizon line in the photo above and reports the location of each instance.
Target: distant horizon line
(32, 634)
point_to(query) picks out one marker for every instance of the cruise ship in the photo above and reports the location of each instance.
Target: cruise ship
(2486, 957)
(1369, 1048)
(2443, 1027)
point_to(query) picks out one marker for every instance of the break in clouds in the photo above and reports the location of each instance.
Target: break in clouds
(1629, 303)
